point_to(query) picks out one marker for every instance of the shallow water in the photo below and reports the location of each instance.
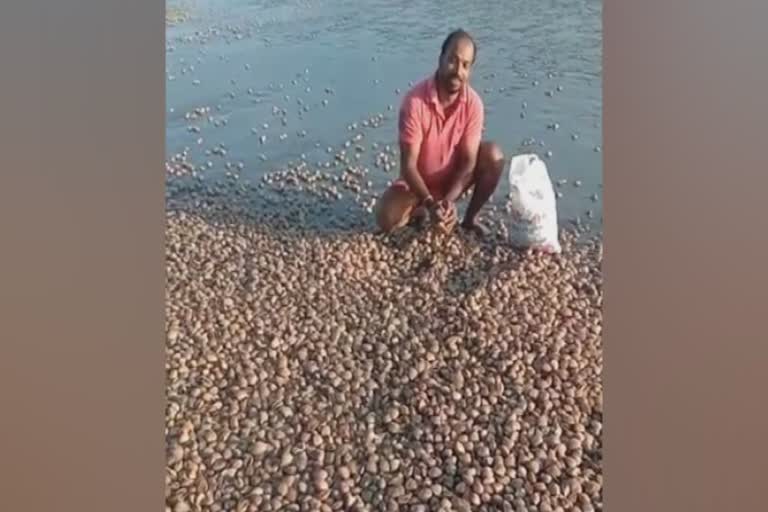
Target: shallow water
(363, 52)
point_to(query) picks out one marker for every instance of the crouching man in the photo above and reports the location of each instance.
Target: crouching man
(441, 148)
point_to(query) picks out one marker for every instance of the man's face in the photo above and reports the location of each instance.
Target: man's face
(456, 65)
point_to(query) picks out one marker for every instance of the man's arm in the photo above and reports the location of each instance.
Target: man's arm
(467, 154)
(409, 157)
(466, 162)
(410, 137)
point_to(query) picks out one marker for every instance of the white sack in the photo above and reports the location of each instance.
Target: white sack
(533, 203)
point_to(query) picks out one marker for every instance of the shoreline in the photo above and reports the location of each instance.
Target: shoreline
(338, 193)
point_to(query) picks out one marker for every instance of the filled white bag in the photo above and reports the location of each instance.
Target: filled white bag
(533, 205)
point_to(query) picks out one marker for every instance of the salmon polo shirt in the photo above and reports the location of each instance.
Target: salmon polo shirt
(423, 123)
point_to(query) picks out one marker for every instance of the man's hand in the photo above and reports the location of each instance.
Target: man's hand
(444, 215)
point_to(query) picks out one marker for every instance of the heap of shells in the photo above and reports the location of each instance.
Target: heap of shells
(352, 371)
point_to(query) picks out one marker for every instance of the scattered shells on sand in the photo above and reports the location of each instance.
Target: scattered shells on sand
(344, 370)
(315, 364)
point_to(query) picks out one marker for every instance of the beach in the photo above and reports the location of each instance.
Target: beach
(315, 364)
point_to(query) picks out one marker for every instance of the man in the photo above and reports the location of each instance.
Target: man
(441, 152)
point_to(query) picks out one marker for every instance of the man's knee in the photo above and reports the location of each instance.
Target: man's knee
(490, 154)
(388, 216)
(490, 162)
(385, 220)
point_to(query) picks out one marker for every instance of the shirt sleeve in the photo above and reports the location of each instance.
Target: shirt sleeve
(475, 120)
(409, 124)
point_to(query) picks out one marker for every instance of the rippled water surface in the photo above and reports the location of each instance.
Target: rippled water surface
(539, 63)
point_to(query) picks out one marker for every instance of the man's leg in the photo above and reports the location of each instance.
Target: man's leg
(488, 171)
(395, 208)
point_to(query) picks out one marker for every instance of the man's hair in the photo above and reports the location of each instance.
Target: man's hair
(455, 36)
